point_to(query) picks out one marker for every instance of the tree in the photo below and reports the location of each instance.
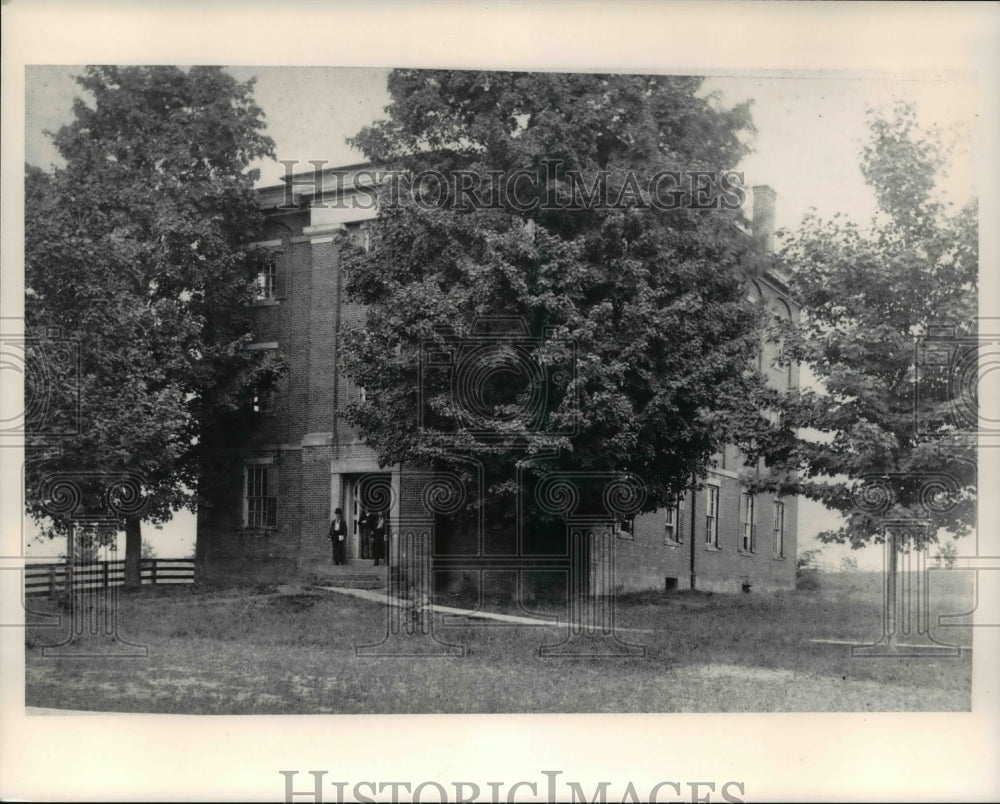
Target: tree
(147, 551)
(620, 335)
(139, 252)
(947, 555)
(808, 559)
(86, 545)
(868, 297)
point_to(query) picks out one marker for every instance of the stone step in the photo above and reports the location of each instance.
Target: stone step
(352, 565)
(348, 570)
(356, 574)
(348, 581)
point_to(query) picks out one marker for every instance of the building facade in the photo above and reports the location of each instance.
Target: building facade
(297, 459)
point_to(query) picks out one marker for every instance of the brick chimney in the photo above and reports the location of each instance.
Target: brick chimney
(763, 217)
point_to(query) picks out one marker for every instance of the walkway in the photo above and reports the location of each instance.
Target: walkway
(510, 619)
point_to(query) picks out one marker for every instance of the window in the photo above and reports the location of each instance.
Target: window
(625, 528)
(262, 403)
(260, 397)
(266, 284)
(781, 369)
(779, 529)
(749, 529)
(754, 296)
(712, 517)
(269, 282)
(673, 524)
(360, 235)
(261, 506)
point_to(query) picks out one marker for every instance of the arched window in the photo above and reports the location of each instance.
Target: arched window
(788, 368)
(754, 296)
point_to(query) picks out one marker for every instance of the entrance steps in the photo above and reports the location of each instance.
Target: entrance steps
(357, 573)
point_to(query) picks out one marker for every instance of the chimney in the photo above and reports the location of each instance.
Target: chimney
(763, 217)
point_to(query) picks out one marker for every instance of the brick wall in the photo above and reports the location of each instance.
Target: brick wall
(305, 435)
(645, 560)
(314, 490)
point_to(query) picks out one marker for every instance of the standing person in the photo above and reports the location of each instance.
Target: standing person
(338, 535)
(364, 533)
(371, 521)
(381, 536)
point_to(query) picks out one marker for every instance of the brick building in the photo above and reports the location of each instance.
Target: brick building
(299, 459)
(722, 538)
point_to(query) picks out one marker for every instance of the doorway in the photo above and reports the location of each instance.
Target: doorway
(360, 504)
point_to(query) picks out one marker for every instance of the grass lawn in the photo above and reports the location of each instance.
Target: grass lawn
(255, 650)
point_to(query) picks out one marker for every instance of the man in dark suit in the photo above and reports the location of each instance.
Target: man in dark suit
(371, 520)
(380, 534)
(338, 535)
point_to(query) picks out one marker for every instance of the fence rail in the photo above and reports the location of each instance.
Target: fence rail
(51, 578)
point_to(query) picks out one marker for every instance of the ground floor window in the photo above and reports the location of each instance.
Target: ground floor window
(748, 528)
(779, 529)
(624, 528)
(261, 503)
(712, 516)
(673, 524)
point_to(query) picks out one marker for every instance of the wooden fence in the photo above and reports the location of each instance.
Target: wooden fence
(51, 578)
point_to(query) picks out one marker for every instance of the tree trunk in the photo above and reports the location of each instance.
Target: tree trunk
(133, 553)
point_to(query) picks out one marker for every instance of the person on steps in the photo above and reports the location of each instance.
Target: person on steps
(338, 536)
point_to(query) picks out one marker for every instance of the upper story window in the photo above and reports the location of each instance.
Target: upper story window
(784, 368)
(263, 402)
(359, 234)
(261, 399)
(269, 283)
(265, 286)
(755, 297)
(778, 369)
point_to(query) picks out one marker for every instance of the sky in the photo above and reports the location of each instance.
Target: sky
(810, 132)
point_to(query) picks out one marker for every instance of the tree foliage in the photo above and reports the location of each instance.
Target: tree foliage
(138, 254)
(947, 555)
(633, 317)
(870, 297)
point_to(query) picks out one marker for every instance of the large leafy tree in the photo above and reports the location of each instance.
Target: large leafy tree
(590, 328)
(871, 296)
(139, 252)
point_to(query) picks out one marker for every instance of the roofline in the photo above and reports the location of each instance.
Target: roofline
(773, 274)
(308, 175)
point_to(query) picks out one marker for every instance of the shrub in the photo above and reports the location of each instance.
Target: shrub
(806, 571)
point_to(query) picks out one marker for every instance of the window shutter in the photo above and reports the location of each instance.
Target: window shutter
(273, 491)
(280, 276)
(240, 519)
